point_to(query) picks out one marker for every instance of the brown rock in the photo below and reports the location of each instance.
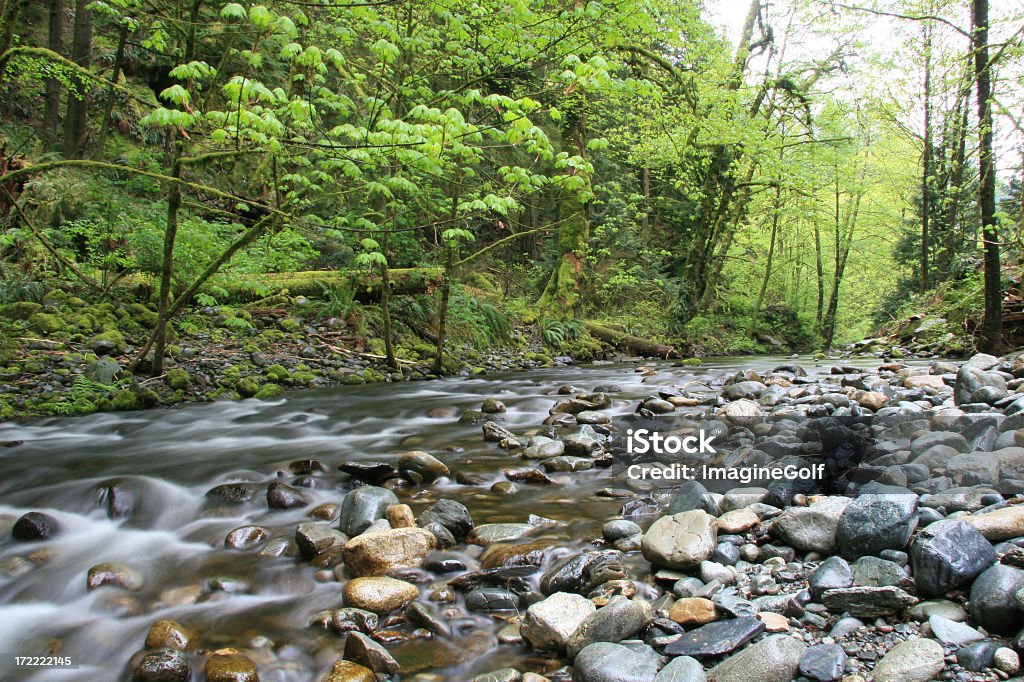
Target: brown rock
(167, 634)
(503, 554)
(347, 671)
(693, 611)
(737, 521)
(400, 516)
(328, 511)
(924, 381)
(382, 552)
(774, 622)
(872, 400)
(230, 668)
(379, 595)
(1001, 524)
(246, 537)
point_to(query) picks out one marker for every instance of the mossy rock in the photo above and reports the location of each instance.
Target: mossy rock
(84, 322)
(6, 410)
(177, 378)
(109, 342)
(276, 373)
(248, 387)
(302, 378)
(47, 323)
(477, 371)
(269, 392)
(143, 315)
(21, 310)
(125, 400)
(290, 325)
(353, 379)
(690, 362)
(372, 376)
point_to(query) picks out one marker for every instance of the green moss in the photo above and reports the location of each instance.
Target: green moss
(690, 362)
(302, 378)
(46, 322)
(147, 397)
(269, 392)
(353, 379)
(276, 373)
(6, 410)
(477, 371)
(178, 378)
(109, 338)
(21, 310)
(290, 325)
(248, 387)
(124, 400)
(143, 315)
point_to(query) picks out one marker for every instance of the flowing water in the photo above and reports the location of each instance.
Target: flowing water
(168, 459)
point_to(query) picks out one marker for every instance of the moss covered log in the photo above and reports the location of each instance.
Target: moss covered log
(366, 287)
(631, 344)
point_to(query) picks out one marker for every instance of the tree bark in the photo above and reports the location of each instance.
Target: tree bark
(167, 266)
(991, 340)
(631, 344)
(768, 265)
(9, 13)
(76, 120)
(55, 43)
(926, 162)
(108, 109)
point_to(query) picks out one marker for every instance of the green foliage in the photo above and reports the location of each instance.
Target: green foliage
(557, 333)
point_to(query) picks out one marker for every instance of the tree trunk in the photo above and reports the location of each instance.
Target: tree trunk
(843, 240)
(926, 164)
(446, 289)
(991, 340)
(768, 265)
(108, 109)
(76, 129)
(167, 266)
(9, 13)
(631, 344)
(55, 43)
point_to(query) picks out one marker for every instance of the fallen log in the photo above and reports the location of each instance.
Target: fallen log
(366, 287)
(631, 344)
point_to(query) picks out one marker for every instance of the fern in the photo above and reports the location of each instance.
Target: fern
(557, 333)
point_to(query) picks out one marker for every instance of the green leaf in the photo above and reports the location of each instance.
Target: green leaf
(234, 11)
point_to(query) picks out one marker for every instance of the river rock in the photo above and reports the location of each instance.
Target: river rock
(681, 540)
(974, 385)
(872, 523)
(774, 659)
(451, 515)
(313, 538)
(1002, 524)
(550, 623)
(246, 537)
(938, 607)
(362, 506)
(488, 599)
(34, 526)
(823, 662)
(618, 529)
(230, 668)
(978, 656)
(948, 554)
(915, 660)
(348, 619)
(693, 611)
(347, 671)
(167, 634)
(737, 521)
(489, 533)
(1007, 660)
(715, 639)
(116, 575)
(581, 573)
(952, 633)
(421, 467)
(868, 602)
(993, 602)
(833, 573)
(682, 669)
(283, 496)
(163, 665)
(379, 594)
(609, 662)
(742, 412)
(368, 653)
(382, 552)
(619, 619)
(813, 528)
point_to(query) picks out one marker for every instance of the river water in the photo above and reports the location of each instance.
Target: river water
(174, 536)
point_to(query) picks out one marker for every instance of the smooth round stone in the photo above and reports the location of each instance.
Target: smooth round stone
(978, 656)
(915, 660)
(872, 523)
(283, 496)
(993, 599)
(832, 573)
(167, 634)
(775, 658)
(379, 594)
(164, 665)
(1007, 660)
(489, 599)
(115, 575)
(230, 668)
(681, 540)
(608, 662)
(383, 552)
(550, 623)
(618, 529)
(726, 554)
(938, 607)
(492, 406)
(693, 611)
(421, 467)
(246, 537)
(362, 506)
(347, 671)
(737, 521)
(34, 526)
(682, 669)
(592, 417)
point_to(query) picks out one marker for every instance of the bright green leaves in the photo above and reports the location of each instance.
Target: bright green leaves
(233, 11)
(371, 257)
(176, 95)
(386, 51)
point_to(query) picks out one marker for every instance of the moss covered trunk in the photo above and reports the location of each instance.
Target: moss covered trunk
(562, 294)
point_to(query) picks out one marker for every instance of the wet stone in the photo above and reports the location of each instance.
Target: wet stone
(993, 602)
(832, 573)
(868, 602)
(115, 575)
(362, 506)
(283, 496)
(351, 619)
(34, 526)
(948, 554)
(978, 656)
(610, 662)
(368, 653)
(452, 515)
(230, 668)
(620, 619)
(824, 662)
(489, 599)
(716, 638)
(246, 537)
(167, 634)
(347, 671)
(314, 538)
(166, 665)
(379, 594)
(583, 572)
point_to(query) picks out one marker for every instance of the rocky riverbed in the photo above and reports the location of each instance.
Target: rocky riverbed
(509, 542)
